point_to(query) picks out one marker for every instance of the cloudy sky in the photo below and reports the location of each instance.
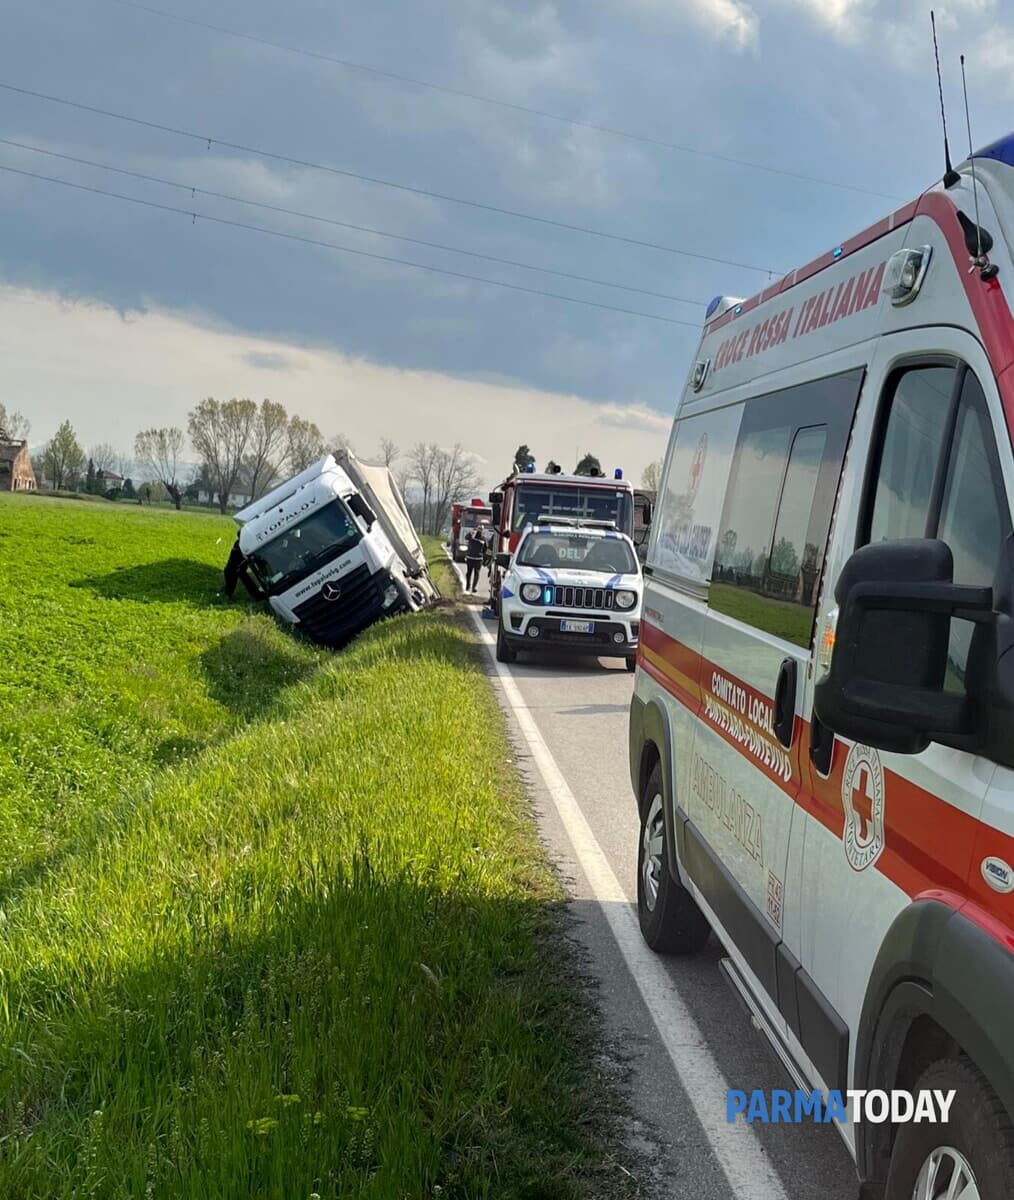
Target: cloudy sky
(119, 315)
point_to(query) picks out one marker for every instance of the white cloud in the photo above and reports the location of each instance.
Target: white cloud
(844, 19)
(635, 416)
(730, 21)
(269, 360)
(112, 376)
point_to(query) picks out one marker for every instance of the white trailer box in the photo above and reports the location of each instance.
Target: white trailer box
(333, 549)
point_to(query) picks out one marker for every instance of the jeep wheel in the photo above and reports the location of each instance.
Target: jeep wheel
(671, 922)
(971, 1157)
(504, 653)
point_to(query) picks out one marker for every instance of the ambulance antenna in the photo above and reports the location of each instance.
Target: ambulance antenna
(951, 177)
(980, 262)
(971, 162)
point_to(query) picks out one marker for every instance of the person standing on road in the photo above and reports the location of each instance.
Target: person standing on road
(475, 552)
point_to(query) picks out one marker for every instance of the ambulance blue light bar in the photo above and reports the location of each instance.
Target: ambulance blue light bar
(1001, 150)
(618, 473)
(712, 305)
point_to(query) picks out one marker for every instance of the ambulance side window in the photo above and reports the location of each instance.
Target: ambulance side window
(938, 476)
(974, 519)
(778, 505)
(914, 434)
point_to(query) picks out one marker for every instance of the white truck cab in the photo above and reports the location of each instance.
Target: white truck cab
(333, 549)
(822, 726)
(572, 586)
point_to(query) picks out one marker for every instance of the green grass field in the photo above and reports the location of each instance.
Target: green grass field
(793, 622)
(265, 929)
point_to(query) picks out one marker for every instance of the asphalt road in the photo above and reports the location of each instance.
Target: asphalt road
(678, 1033)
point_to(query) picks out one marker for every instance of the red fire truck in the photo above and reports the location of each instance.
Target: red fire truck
(528, 496)
(464, 518)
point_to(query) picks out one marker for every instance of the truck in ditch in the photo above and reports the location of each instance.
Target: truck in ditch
(333, 549)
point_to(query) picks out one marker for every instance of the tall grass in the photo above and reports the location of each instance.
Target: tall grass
(279, 926)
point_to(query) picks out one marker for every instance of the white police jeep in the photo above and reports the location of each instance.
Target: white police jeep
(573, 586)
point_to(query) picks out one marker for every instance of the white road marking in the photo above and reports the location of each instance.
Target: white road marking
(736, 1147)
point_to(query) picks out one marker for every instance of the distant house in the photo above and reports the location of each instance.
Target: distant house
(236, 500)
(16, 474)
(109, 479)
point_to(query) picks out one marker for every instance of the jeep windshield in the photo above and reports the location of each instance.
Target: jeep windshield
(303, 547)
(577, 552)
(589, 504)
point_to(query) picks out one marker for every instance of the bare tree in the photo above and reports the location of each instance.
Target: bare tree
(63, 460)
(389, 452)
(304, 444)
(651, 476)
(221, 433)
(421, 472)
(105, 457)
(456, 477)
(158, 451)
(268, 442)
(14, 424)
(439, 478)
(339, 443)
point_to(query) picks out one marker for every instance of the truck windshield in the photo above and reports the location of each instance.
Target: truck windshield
(577, 552)
(302, 548)
(470, 517)
(590, 504)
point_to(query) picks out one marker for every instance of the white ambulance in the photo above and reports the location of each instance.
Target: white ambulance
(822, 727)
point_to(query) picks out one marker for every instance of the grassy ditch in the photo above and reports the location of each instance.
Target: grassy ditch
(273, 922)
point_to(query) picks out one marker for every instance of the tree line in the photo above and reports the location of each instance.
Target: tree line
(244, 449)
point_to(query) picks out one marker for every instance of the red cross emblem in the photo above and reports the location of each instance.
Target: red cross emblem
(697, 465)
(862, 793)
(862, 802)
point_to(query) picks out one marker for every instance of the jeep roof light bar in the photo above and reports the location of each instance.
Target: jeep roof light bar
(574, 522)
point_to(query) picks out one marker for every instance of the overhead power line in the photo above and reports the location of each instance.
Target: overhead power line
(462, 94)
(388, 183)
(308, 241)
(292, 212)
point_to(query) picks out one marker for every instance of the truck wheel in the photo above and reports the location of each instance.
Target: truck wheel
(631, 661)
(504, 653)
(971, 1156)
(671, 922)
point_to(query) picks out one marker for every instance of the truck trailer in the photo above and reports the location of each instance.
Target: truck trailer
(333, 549)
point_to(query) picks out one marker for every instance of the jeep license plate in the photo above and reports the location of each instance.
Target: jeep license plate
(576, 626)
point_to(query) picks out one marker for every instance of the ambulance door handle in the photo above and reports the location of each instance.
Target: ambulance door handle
(785, 701)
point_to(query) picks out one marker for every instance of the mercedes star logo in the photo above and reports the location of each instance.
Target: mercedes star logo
(330, 591)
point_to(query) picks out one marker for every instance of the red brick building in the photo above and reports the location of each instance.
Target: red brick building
(16, 474)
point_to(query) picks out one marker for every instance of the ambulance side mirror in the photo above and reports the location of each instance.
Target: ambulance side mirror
(496, 506)
(503, 561)
(888, 683)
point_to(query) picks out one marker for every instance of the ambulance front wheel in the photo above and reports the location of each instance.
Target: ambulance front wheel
(972, 1154)
(671, 922)
(631, 661)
